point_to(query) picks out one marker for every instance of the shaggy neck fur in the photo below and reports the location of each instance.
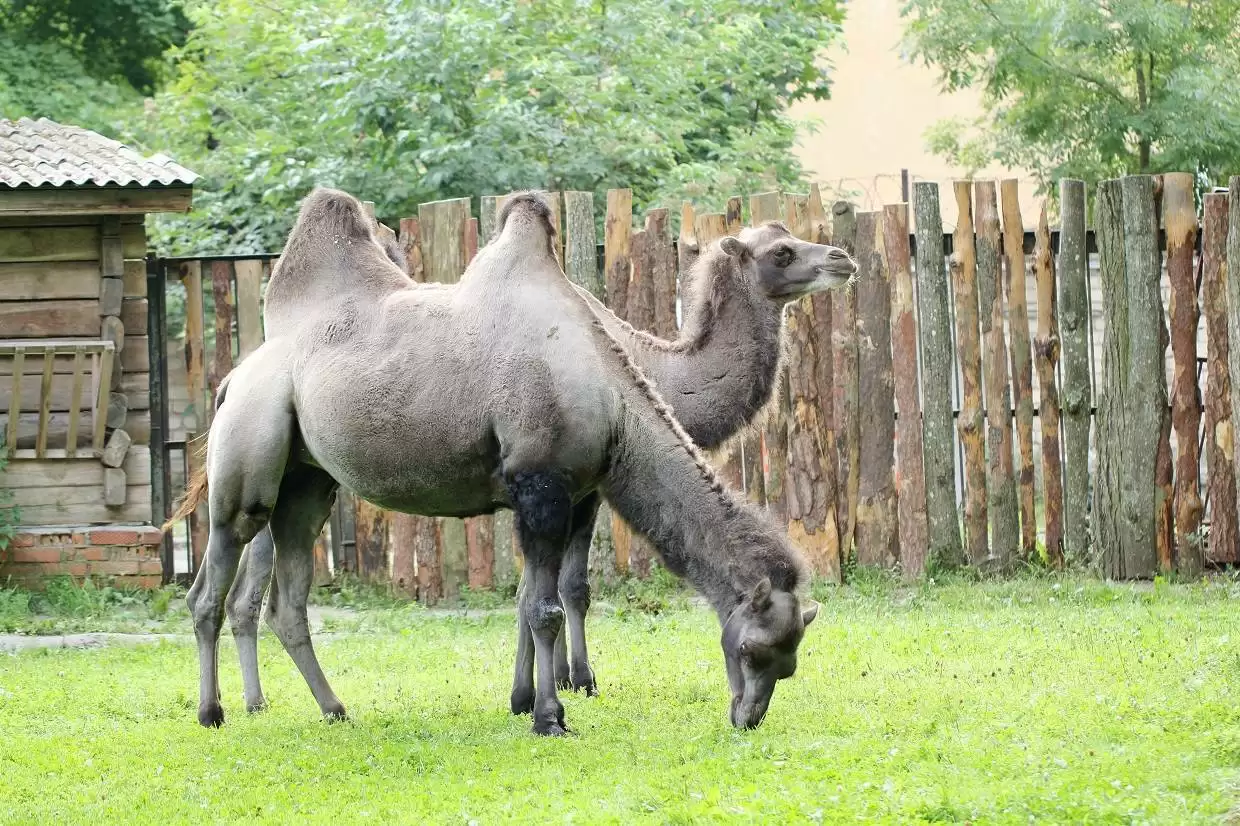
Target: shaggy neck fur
(723, 368)
(702, 531)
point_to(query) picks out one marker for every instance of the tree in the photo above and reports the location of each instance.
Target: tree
(405, 102)
(1088, 89)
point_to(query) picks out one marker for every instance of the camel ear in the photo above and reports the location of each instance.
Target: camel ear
(760, 597)
(807, 616)
(732, 246)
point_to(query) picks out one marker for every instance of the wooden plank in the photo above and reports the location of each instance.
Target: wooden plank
(222, 290)
(845, 382)
(249, 305)
(370, 528)
(1074, 320)
(102, 390)
(617, 269)
(111, 255)
(135, 386)
(811, 486)
(195, 343)
(553, 200)
(74, 243)
(970, 423)
(1180, 221)
(52, 280)
(686, 244)
(410, 240)
(1047, 358)
(936, 358)
(877, 531)
(662, 257)
(49, 319)
(137, 424)
(1112, 529)
(15, 399)
(136, 356)
(911, 480)
(426, 544)
(640, 306)
(1231, 271)
(45, 404)
(1224, 537)
(75, 399)
(67, 497)
(488, 210)
(479, 530)
(780, 417)
(1001, 481)
(104, 200)
(732, 219)
(135, 511)
(64, 471)
(1022, 359)
(580, 257)
(764, 455)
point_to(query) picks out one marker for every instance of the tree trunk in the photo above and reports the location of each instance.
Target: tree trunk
(936, 358)
(1180, 220)
(1224, 544)
(969, 353)
(1005, 526)
(911, 480)
(1022, 360)
(877, 530)
(1047, 350)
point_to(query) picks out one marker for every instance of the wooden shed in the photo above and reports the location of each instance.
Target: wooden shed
(74, 354)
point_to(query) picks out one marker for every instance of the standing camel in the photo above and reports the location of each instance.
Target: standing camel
(553, 411)
(717, 375)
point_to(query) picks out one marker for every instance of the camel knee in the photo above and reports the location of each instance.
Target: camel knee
(546, 618)
(290, 625)
(575, 592)
(542, 502)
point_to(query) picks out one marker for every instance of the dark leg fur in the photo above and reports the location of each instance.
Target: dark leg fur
(544, 516)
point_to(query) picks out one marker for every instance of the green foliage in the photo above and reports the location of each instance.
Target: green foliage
(1088, 90)
(686, 98)
(1069, 701)
(67, 605)
(114, 40)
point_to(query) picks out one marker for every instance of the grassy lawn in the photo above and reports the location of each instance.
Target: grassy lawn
(1046, 700)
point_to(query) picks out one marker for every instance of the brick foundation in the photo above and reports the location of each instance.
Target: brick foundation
(125, 555)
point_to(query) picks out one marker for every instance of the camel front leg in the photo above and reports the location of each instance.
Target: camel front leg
(245, 606)
(543, 507)
(575, 593)
(306, 497)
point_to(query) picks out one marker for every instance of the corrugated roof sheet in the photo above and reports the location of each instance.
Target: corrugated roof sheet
(42, 153)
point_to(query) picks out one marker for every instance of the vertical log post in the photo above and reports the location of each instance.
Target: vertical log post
(844, 372)
(969, 352)
(617, 242)
(943, 517)
(911, 480)
(1224, 544)
(1072, 275)
(1164, 474)
(1232, 278)
(1047, 354)
(687, 249)
(1022, 359)
(877, 531)
(771, 446)
(1001, 483)
(811, 487)
(201, 398)
(1112, 526)
(1180, 221)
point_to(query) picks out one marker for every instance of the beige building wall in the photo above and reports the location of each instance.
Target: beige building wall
(874, 125)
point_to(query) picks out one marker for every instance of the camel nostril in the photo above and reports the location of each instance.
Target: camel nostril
(837, 255)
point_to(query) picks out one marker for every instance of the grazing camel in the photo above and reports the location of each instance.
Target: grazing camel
(717, 375)
(554, 410)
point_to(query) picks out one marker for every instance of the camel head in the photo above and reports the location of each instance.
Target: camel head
(787, 267)
(760, 639)
(528, 216)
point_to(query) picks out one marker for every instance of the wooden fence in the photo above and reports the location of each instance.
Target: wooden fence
(979, 397)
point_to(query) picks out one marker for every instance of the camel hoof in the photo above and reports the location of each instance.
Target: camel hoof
(335, 715)
(257, 707)
(211, 716)
(564, 684)
(556, 729)
(585, 682)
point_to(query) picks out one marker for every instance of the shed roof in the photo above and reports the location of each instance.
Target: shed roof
(44, 154)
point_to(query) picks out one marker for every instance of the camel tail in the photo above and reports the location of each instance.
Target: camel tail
(194, 492)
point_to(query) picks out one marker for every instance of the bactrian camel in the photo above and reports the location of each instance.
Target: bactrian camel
(360, 384)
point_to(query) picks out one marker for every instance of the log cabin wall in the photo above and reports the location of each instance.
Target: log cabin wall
(69, 279)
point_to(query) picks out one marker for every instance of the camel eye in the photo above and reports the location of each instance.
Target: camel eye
(784, 256)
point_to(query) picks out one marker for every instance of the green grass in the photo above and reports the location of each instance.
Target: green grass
(1039, 699)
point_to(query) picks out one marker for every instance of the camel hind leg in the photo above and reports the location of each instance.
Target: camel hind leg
(306, 498)
(245, 607)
